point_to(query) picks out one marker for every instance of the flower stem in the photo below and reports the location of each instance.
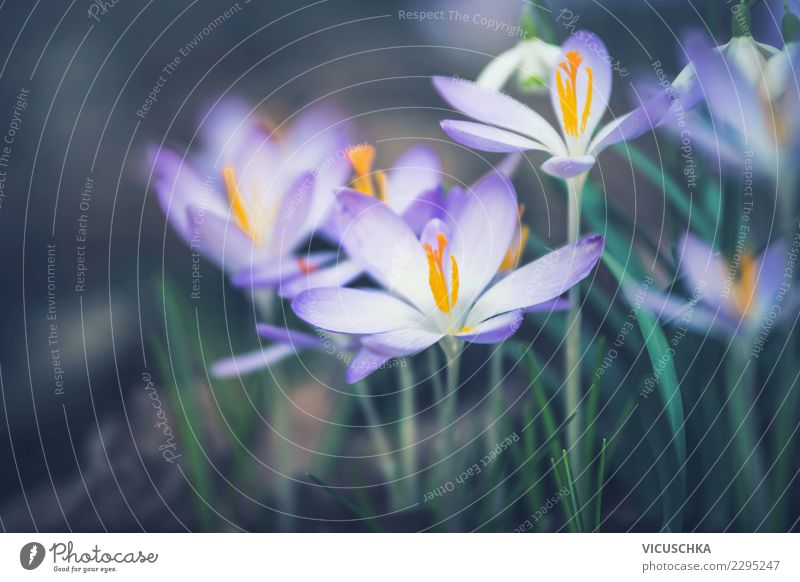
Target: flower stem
(573, 334)
(379, 439)
(447, 406)
(452, 354)
(408, 428)
(741, 380)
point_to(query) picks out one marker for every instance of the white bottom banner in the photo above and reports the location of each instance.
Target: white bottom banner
(388, 557)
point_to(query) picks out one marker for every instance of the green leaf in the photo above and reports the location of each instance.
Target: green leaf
(673, 486)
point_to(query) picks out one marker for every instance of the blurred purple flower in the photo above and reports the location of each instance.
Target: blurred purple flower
(752, 96)
(580, 87)
(248, 200)
(436, 284)
(286, 342)
(728, 299)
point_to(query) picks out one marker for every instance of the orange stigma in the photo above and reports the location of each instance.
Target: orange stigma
(238, 206)
(436, 279)
(366, 181)
(745, 287)
(568, 94)
(305, 267)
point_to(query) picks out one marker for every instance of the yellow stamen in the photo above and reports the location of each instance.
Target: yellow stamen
(568, 94)
(467, 329)
(366, 181)
(517, 246)
(455, 282)
(745, 287)
(238, 205)
(436, 279)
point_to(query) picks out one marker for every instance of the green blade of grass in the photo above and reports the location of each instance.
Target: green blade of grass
(573, 492)
(661, 359)
(600, 482)
(356, 509)
(566, 507)
(593, 400)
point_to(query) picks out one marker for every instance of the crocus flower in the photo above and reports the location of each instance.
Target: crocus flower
(439, 284)
(249, 198)
(752, 97)
(728, 299)
(580, 87)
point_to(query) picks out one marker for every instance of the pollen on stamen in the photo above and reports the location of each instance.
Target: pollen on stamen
(568, 94)
(239, 208)
(745, 288)
(436, 276)
(361, 159)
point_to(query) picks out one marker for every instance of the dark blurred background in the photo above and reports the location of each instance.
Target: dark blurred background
(77, 450)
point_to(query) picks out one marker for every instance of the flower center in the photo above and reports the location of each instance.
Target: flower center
(517, 245)
(239, 207)
(366, 181)
(568, 94)
(744, 288)
(445, 300)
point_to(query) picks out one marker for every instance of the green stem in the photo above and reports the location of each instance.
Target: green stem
(496, 410)
(573, 333)
(452, 353)
(408, 428)
(741, 380)
(601, 476)
(379, 439)
(784, 439)
(573, 493)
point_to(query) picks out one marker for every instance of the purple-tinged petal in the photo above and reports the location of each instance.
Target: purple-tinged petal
(358, 311)
(699, 317)
(177, 187)
(338, 275)
(418, 170)
(493, 330)
(496, 108)
(401, 342)
(220, 240)
(707, 138)
(705, 273)
(487, 138)
(385, 246)
(455, 200)
(429, 205)
(269, 273)
(483, 230)
(633, 124)
(541, 280)
(284, 335)
(568, 166)
(250, 362)
(431, 231)
(594, 55)
(291, 224)
(365, 363)
(730, 97)
(771, 275)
